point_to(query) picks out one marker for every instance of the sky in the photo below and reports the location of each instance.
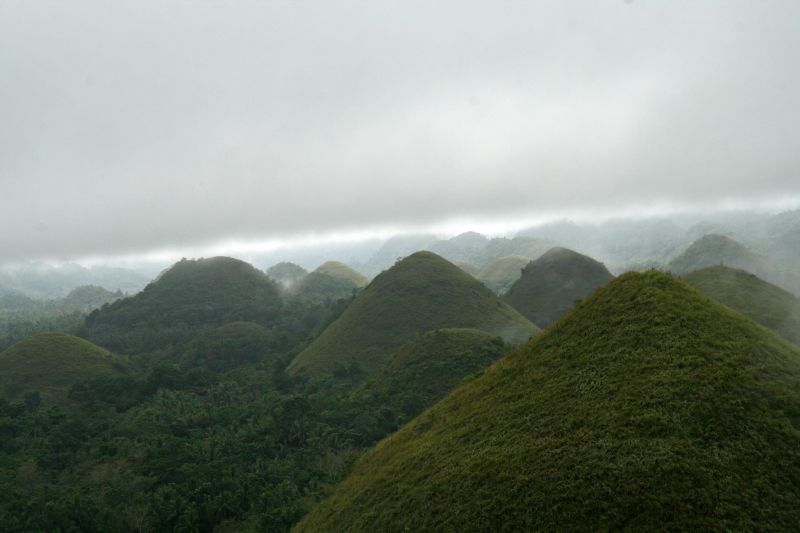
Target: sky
(135, 128)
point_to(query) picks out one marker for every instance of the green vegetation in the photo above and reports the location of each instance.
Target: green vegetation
(184, 301)
(48, 364)
(500, 274)
(550, 285)
(286, 275)
(318, 288)
(763, 302)
(648, 407)
(426, 368)
(469, 268)
(420, 293)
(713, 249)
(229, 346)
(338, 270)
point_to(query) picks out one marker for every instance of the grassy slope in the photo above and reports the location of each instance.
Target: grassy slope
(51, 363)
(649, 407)
(500, 275)
(420, 293)
(763, 302)
(550, 285)
(319, 287)
(339, 270)
(189, 297)
(430, 365)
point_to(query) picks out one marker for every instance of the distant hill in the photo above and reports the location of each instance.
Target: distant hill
(329, 282)
(713, 249)
(44, 282)
(469, 268)
(50, 363)
(763, 302)
(500, 274)
(229, 346)
(338, 270)
(420, 293)
(286, 275)
(650, 407)
(550, 285)
(190, 297)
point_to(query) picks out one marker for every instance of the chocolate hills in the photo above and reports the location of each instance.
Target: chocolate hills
(182, 302)
(287, 275)
(549, 286)
(50, 363)
(329, 282)
(760, 301)
(500, 274)
(648, 407)
(714, 249)
(419, 293)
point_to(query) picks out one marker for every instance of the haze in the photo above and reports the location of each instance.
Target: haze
(132, 127)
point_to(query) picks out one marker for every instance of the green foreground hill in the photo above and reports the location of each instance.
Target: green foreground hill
(50, 363)
(763, 302)
(648, 407)
(184, 301)
(420, 293)
(550, 285)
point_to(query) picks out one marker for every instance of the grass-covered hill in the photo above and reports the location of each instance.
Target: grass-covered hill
(287, 275)
(420, 293)
(550, 285)
(339, 270)
(714, 249)
(763, 302)
(469, 268)
(186, 299)
(648, 407)
(500, 275)
(50, 363)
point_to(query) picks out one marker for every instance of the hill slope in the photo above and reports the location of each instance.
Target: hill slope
(50, 363)
(550, 285)
(189, 297)
(420, 293)
(649, 407)
(763, 302)
(500, 274)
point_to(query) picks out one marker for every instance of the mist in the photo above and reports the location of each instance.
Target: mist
(130, 129)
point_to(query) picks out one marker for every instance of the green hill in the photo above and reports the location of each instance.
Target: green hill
(500, 274)
(318, 288)
(429, 366)
(185, 300)
(648, 407)
(713, 249)
(763, 302)
(338, 270)
(229, 346)
(286, 275)
(469, 268)
(420, 293)
(50, 363)
(550, 285)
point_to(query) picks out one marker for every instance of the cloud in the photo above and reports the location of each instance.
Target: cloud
(131, 127)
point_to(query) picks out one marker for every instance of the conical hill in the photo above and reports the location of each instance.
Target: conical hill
(420, 293)
(50, 363)
(550, 285)
(184, 301)
(648, 407)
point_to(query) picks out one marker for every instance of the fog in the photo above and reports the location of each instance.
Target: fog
(129, 129)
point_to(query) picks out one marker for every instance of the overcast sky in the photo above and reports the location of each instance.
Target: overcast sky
(132, 126)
